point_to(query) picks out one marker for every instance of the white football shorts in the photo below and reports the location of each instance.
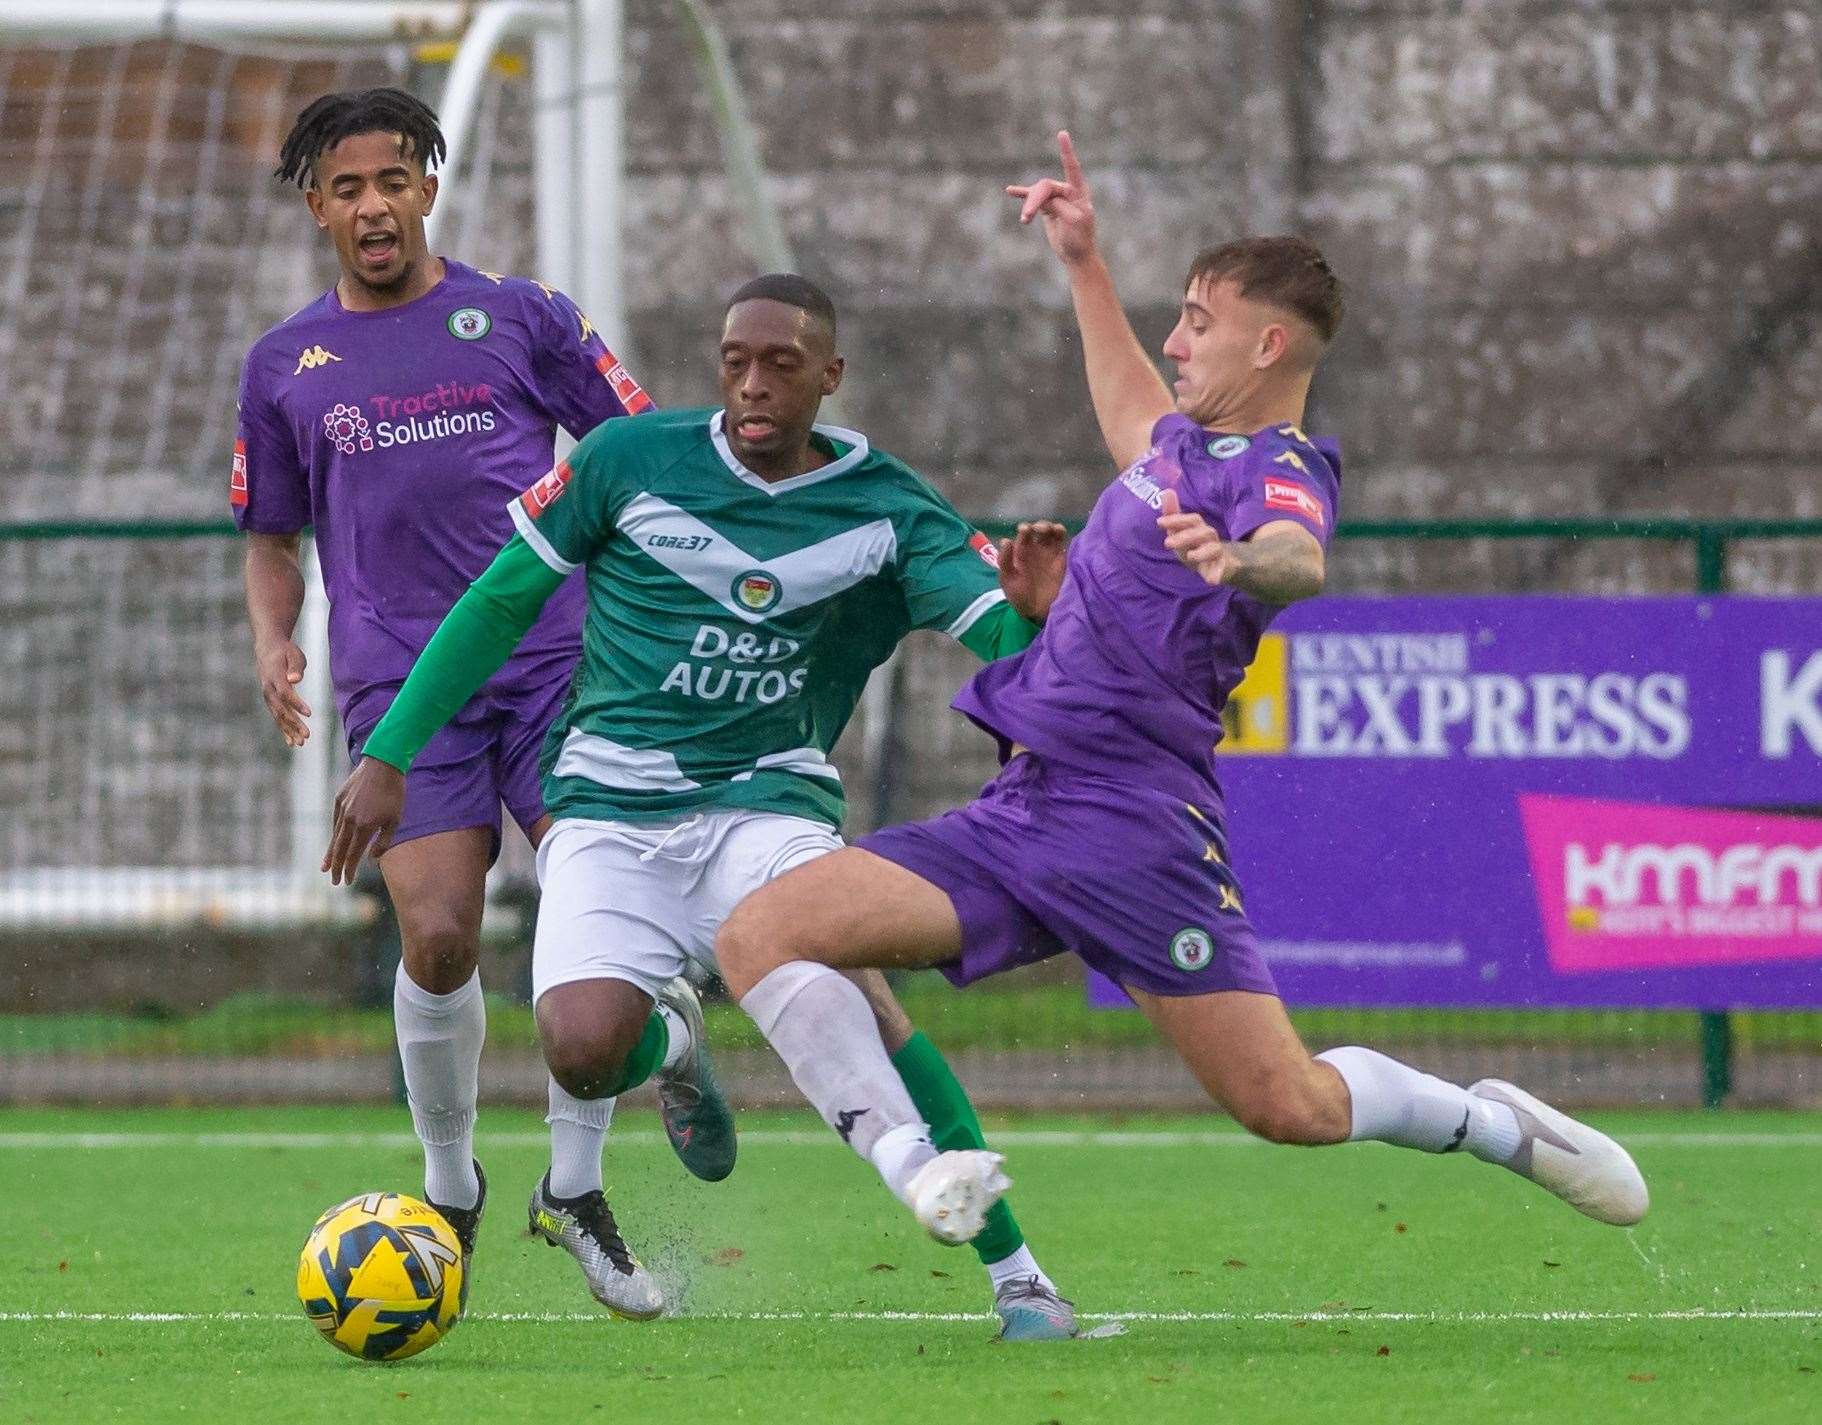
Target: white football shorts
(632, 900)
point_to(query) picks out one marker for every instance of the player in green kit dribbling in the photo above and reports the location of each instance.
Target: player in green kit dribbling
(747, 569)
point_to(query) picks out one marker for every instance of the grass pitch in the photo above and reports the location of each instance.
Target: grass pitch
(146, 1265)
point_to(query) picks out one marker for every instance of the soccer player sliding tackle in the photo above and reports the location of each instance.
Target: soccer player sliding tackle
(746, 571)
(1104, 834)
(397, 414)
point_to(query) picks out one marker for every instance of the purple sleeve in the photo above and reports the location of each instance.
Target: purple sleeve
(1280, 479)
(580, 381)
(269, 490)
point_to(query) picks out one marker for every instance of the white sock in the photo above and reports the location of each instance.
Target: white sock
(1019, 1266)
(1394, 1103)
(823, 1028)
(578, 1131)
(898, 1155)
(680, 1037)
(440, 1038)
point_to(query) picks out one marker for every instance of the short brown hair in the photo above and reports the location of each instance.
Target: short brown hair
(1288, 272)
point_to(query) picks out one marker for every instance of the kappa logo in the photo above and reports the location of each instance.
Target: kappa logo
(757, 590)
(1296, 433)
(347, 428)
(312, 357)
(1292, 459)
(541, 496)
(1191, 949)
(1287, 495)
(845, 1120)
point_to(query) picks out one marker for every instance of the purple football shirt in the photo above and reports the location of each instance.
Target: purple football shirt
(1139, 655)
(401, 436)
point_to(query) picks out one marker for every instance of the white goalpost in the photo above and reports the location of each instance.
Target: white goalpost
(175, 94)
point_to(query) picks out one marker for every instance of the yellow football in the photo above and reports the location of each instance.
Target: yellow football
(381, 1276)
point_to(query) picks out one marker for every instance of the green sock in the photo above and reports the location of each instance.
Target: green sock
(643, 1062)
(943, 1101)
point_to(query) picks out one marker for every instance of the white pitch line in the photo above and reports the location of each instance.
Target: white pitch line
(1426, 1318)
(801, 1138)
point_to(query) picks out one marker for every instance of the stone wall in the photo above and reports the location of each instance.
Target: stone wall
(1580, 240)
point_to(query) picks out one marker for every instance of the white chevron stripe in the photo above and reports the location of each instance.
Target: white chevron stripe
(710, 562)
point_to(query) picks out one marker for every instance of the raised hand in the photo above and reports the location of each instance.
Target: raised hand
(1064, 206)
(1195, 543)
(1032, 564)
(281, 669)
(367, 812)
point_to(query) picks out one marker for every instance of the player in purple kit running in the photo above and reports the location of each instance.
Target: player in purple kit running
(399, 414)
(1104, 834)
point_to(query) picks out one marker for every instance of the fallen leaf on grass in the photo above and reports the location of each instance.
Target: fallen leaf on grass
(1233, 1262)
(1383, 1351)
(1400, 1227)
(63, 1266)
(882, 1267)
(1641, 1378)
(726, 1257)
(1552, 1264)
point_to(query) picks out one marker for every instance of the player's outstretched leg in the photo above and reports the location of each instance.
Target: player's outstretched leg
(1027, 1302)
(1242, 1047)
(850, 908)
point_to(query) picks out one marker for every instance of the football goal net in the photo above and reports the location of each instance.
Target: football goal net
(143, 248)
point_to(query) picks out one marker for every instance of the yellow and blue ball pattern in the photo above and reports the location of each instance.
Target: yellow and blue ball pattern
(381, 1276)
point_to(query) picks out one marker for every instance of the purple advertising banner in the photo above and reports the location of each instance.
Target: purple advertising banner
(1534, 801)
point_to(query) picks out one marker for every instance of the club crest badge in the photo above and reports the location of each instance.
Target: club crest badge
(757, 591)
(469, 324)
(1228, 446)
(1191, 949)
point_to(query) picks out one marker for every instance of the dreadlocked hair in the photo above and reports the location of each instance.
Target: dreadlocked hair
(334, 117)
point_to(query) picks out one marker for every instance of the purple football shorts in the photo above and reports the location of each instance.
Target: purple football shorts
(1050, 858)
(485, 755)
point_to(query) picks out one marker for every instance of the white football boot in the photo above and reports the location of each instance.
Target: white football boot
(1581, 1165)
(953, 1192)
(585, 1228)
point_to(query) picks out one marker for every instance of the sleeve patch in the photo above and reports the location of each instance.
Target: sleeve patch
(541, 496)
(237, 481)
(986, 548)
(1285, 495)
(628, 391)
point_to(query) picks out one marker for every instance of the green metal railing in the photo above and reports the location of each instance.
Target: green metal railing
(1712, 541)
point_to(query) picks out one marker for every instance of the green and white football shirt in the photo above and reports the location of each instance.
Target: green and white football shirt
(732, 622)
